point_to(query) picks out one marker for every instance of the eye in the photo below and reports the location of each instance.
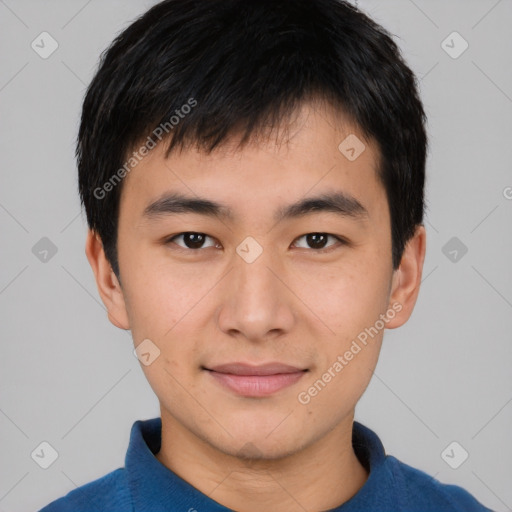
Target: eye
(318, 241)
(192, 240)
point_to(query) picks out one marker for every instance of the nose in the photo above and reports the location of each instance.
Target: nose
(256, 303)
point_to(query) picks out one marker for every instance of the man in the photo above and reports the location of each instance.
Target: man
(253, 176)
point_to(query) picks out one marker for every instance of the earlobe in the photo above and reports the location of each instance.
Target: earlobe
(108, 285)
(407, 278)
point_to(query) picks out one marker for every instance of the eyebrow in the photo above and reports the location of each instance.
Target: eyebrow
(338, 202)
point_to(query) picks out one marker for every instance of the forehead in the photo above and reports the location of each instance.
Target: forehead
(317, 152)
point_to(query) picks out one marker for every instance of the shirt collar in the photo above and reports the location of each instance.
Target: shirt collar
(377, 492)
(154, 487)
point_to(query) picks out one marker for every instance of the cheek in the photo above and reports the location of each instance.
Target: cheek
(347, 296)
(162, 298)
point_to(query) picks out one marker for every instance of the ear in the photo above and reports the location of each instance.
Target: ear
(109, 287)
(407, 279)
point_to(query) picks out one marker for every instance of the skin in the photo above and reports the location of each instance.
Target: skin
(294, 304)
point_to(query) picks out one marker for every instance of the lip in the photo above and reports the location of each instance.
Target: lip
(255, 380)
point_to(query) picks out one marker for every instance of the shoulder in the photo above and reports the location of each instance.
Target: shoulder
(421, 491)
(108, 493)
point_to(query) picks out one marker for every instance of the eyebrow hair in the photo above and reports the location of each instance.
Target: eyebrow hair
(340, 203)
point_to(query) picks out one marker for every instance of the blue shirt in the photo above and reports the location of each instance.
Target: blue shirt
(146, 485)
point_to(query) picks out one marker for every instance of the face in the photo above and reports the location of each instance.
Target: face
(293, 300)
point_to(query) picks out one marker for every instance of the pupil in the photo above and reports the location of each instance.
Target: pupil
(194, 240)
(317, 240)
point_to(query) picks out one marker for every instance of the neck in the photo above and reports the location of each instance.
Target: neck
(319, 477)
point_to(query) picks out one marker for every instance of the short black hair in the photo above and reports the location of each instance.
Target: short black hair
(239, 67)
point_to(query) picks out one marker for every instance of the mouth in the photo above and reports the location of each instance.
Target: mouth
(255, 380)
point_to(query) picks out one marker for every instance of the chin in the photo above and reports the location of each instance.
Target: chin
(259, 441)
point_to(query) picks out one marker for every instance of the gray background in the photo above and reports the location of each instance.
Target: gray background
(69, 377)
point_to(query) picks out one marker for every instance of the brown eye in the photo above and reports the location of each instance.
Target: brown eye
(192, 240)
(318, 241)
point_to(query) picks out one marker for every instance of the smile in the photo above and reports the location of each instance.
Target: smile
(255, 381)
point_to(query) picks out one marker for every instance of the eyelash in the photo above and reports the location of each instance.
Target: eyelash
(341, 241)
